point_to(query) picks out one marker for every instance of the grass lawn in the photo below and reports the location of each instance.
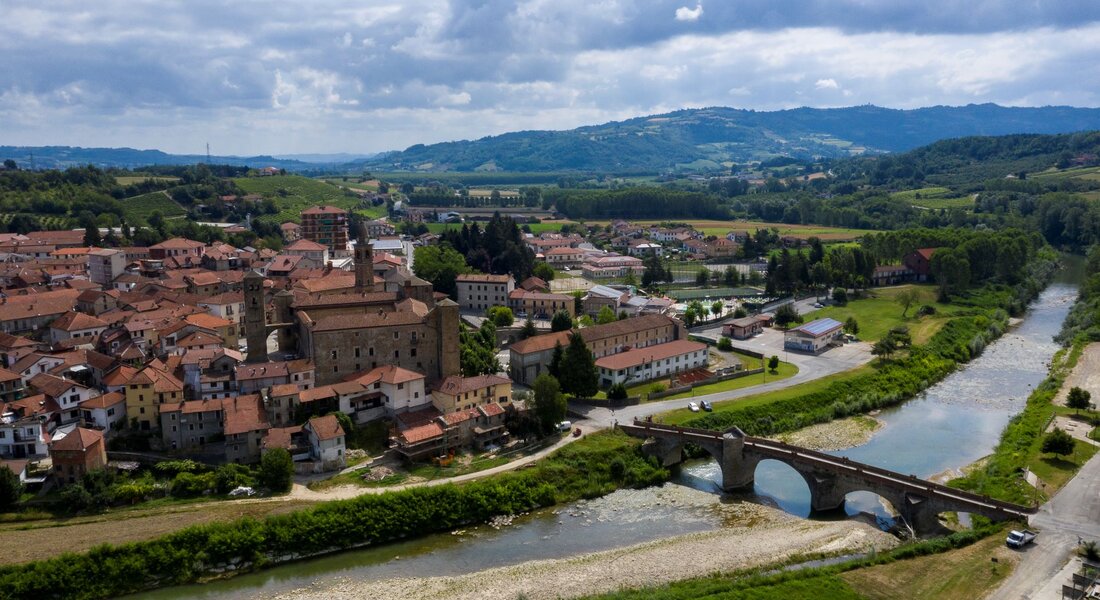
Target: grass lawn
(1090, 173)
(933, 198)
(960, 574)
(294, 193)
(139, 178)
(720, 228)
(680, 415)
(879, 313)
(785, 370)
(369, 186)
(140, 208)
(1055, 471)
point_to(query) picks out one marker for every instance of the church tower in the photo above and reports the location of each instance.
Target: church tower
(255, 317)
(364, 262)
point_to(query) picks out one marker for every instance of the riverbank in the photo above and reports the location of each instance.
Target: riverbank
(760, 536)
(834, 435)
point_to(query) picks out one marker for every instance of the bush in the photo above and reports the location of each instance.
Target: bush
(172, 467)
(229, 477)
(617, 392)
(725, 344)
(501, 316)
(926, 309)
(840, 296)
(277, 470)
(189, 485)
(76, 498)
(10, 489)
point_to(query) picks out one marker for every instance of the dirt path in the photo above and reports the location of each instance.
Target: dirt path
(1085, 375)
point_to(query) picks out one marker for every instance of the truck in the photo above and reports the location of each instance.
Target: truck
(1019, 539)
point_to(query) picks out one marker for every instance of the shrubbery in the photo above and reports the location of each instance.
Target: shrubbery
(582, 470)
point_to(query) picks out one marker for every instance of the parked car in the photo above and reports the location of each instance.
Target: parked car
(242, 491)
(693, 407)
(818, 305)
(565, 426)
(707, 406)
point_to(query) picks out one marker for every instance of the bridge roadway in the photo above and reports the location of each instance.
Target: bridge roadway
(830, 478)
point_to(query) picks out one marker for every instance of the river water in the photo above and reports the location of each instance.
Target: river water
(952, 424)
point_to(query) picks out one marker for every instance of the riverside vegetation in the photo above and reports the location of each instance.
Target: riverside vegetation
(592, 467)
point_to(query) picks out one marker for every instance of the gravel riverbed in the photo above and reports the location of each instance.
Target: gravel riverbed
(834, 435)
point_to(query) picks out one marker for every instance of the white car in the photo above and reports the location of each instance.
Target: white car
(693, 407)
(818, 305)
(565, 426)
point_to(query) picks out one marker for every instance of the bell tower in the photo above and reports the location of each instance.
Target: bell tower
(255, 317)
(364, 262)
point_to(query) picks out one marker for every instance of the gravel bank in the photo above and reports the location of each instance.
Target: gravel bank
(834, 435)
(767, 536)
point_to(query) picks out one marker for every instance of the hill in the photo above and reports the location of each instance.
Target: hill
(62, 157)
(714, 137)
(292, 194)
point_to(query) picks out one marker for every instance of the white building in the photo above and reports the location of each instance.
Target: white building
(23, 437)
(105, 264)
(477, 292)
(643, 364)
(814, 336)
(402, 390)
(326, 441)
(107, 411)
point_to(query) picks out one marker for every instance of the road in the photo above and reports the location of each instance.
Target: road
(1074, 511)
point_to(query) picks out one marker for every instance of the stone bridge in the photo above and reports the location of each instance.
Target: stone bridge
(830, 478)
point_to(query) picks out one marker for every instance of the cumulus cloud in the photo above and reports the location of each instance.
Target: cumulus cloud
(347, 77)
(689, 14)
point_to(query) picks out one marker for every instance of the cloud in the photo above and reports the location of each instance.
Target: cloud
(278, 78)
(689, 14)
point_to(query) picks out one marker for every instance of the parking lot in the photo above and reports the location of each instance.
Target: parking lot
(770, 343)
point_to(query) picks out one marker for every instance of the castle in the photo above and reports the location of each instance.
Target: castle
(346, 332)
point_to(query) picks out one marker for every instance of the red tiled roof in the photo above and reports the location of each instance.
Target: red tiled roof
(104, 401)
(640, 356)
(456, 384)
(326, 427)
(421, 433)
(78, 440)
(76, 321)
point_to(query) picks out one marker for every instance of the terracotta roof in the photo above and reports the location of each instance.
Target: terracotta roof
(51, 385)
(326, 427)
(416, 418)
(262, 370)
(76, 321)
(189, 407)
(207, 321)
(540, 343)
(323, 392)
(285, 389)
(6, 376)
(927, 252)
(104, 401)
(374, 319)
(324, 210)
(482, 278)
(30, 406)
(492, 409)
(639, 356)
(338, 280)
(389, 374)
(198, 338)
(177, 244)
(421, 433)
(304, 245)
(244, 414)
(456, 384)
(281, 437)
(77, 440)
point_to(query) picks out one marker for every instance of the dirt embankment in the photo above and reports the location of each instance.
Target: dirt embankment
(834, 435)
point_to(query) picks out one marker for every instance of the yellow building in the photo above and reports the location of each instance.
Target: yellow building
(147, 391)
(464, 393)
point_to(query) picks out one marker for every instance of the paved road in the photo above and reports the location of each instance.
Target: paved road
(1074, 511)
(810, 368)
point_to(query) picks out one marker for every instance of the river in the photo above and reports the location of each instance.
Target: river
(952, 424)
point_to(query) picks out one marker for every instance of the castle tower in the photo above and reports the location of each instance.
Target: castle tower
(255, 317)
(447, 322)
(284, 315)
(364, 263)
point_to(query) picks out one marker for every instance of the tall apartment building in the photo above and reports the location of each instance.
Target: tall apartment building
(105, 264)
(327, 225)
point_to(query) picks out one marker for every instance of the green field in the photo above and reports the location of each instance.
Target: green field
(934, 198)
(293, 194)
(784, 371)
(721, 228)
(1086, 173)
(353, 183)
(880, 313)
(140, 208)
(47, 221)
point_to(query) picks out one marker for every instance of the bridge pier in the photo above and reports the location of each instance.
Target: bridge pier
(667, 451)
(825, 495)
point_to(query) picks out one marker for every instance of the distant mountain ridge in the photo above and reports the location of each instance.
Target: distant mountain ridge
(709, 137)
(61, 157)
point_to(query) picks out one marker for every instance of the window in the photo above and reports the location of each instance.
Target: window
(397, 335)
(333, 355)
(397, 354)
(370, 351)
(357, 352)
(412, 352)
(142, 409)
(401, 386)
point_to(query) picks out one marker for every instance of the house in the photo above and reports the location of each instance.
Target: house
(313, 255)
(402, 390)
(890, 275)
(644, 247)
(245, 426)
(78, 453)
(530, 357)
(11, 386)
(920, 262)
(147, 391)
(104, 264)
(814, 336)
(106, 411)
(600, 296)
(540, 304)
(563, 256)
(464, 393)
(75, 325)
(68, 394)
(23, 434)
(190, 425)
(326, 441)
(328, 226)
(643, 364)
(477, 292)
(291, 231)
(182, 250)
(745, 327)
(613, 265)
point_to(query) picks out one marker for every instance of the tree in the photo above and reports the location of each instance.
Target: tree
(773, 363)
(440, 265)
(529, 330)
(724, 344)
(851, 326)
(886, 347)
(617, 392)
(91, 236)
(276, 470)
(906, 298)
(1078, 399)
(840, 296)
(579, 376)
(716, 308)
(561, 321)
(702, 278)
(544, 272)
(550, 404)
(478, 350)
(786, 315)
(554, 368)
(606, 315)
(10, 489)
(501, 316)
(10, 165)
(1058, 442)
(740, 313)
(951, 268)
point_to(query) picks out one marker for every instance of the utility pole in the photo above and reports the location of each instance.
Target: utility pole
(207, 153)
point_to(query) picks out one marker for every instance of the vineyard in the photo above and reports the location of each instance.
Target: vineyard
(293, 194)
(139, 208)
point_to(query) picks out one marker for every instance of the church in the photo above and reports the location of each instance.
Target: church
(348, 331)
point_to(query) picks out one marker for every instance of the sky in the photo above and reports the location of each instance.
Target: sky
(326, 76)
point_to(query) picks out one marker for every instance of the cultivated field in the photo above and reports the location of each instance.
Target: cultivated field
(721, 228)
(933, 198)
(129, 180)
(293, 194)
(140, 208)
(1086, 173)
